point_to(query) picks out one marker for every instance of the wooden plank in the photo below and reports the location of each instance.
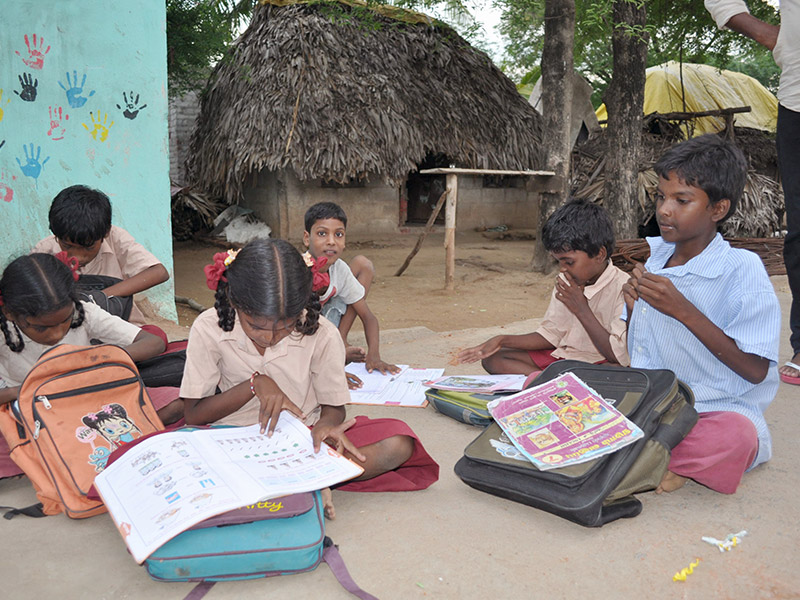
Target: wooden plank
(450, 232)
(428, 227)
(459, 171)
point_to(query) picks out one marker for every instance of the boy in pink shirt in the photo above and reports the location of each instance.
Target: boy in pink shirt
(112, 265)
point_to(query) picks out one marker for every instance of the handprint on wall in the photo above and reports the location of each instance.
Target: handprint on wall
(132, 107)
(35, 58)
(6, 192)
(1, 104)
(32, 167)
(57, 116)
(101, 126)
(29, 85)
(74, 92)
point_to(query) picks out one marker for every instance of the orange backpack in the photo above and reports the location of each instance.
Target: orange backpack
(77, 405)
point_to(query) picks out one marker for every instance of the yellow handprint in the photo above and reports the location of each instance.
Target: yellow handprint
(100, 127)
(1, 103)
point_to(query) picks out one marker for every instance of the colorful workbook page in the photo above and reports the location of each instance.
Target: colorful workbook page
(478, 383)
(173, 480)
(375, 382)
(562, 422)
(405, 389)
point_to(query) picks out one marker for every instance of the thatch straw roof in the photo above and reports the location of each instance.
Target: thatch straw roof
(337, 91)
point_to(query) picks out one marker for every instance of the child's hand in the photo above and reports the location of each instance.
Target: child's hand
(353, 382)
(630, 291)
(570, 294)
(334, 435)
(660, 293)
(355, 354)
(273, 401)
(476, 353)
(384, 367)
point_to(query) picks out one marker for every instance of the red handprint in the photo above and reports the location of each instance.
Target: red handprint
(35, 54)
(6, 193)
(56, 129)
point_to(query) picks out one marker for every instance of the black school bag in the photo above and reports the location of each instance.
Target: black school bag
(601, 490)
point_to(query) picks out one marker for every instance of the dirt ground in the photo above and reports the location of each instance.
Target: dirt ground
(494, 284)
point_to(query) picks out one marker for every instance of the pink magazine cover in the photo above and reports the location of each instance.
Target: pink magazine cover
(562, 422)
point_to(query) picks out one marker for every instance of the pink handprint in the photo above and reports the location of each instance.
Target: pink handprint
(6, 193)
(35, 58)
(56, 129)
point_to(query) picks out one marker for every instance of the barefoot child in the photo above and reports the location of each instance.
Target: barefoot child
(343, 291)
(582, 321)
(709, 313)
(80, 219)
(264, 349)
(39, 308)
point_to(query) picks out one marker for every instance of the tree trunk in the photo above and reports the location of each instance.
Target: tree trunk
(557, 69)
(624, 102)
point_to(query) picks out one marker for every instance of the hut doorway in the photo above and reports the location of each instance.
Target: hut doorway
(423, 191)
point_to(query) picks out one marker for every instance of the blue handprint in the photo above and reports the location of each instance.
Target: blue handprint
(75, 92)
(32, 167)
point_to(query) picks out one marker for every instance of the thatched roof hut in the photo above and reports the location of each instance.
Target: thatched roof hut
(337, 91)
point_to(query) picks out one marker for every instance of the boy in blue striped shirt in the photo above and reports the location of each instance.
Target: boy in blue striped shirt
(709, 313)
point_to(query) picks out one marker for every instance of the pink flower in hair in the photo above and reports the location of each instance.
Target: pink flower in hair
(216, 270)
(71, 262)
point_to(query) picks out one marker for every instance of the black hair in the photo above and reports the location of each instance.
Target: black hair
(110, 411)
(324, 210)
(34, 285)
(579, 225)
(268, 278)
(80, 215)
(710, 163)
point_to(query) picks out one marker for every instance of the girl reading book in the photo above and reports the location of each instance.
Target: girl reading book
(263, 349)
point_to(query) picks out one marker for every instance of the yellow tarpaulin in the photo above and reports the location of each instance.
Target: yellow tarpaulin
(707, 88)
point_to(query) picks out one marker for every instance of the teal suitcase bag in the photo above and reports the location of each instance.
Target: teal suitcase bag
(276, 537)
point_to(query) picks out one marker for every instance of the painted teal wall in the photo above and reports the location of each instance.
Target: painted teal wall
(83, 100)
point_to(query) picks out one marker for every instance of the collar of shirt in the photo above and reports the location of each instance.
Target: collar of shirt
(606, 277)
(707, 264)
(105, 248)
(238, 337)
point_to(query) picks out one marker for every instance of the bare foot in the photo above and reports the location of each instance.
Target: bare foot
(355, 354)
(791, 371)
(670, 482)
(327, 504)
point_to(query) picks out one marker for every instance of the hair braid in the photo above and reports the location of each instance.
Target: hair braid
(309, 324)
(225, 312)
(16, 346)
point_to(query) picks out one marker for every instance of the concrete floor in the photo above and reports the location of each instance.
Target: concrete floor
(451, 541)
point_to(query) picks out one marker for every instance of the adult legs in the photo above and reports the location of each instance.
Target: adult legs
(788, 143)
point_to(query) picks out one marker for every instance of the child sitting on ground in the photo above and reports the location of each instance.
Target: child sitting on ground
(343, 291)
(582, 321)
(709, 313)
(39, 308)
(80, 219)
(264, 349)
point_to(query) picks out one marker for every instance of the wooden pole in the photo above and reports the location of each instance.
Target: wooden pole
(450, 232)
(423, 235)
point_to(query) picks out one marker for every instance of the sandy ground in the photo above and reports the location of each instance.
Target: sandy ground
(451, 541)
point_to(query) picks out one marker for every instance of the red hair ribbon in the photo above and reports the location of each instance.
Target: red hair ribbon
(319, 281)
(71, 262)
(1, 300)
(216, 270)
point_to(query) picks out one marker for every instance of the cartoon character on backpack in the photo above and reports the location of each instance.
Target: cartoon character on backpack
(114, 425)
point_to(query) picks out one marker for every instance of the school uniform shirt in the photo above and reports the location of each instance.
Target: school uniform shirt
(97, 325)
(120, 256)
(343, 285)
(731, 288)
(309, 369)
(564, 331)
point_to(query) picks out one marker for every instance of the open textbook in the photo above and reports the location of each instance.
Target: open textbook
(171, 481)
(562, 422)
(405, 388)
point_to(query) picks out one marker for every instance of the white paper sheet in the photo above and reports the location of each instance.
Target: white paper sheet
(406, 389)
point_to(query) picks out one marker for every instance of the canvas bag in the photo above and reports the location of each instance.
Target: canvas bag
(75, 406)
(601, 490)
(276, 537)
(467, 407)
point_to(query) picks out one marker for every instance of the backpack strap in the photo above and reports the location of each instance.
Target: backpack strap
(34, 510)
(330, 555)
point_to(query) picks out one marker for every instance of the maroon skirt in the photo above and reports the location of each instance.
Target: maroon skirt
(417, 473)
